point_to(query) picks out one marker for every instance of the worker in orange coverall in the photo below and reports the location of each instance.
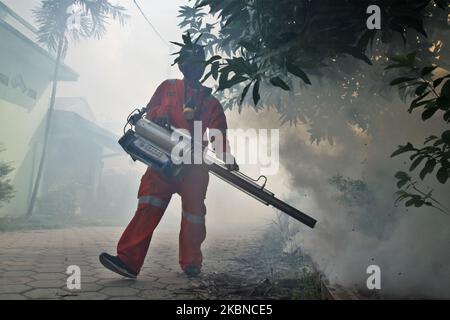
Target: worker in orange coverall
(168, 105)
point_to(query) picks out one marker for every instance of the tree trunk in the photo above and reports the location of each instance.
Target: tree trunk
(47, 129)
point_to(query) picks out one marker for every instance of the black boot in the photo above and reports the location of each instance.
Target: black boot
(192, 271)
(114, 264)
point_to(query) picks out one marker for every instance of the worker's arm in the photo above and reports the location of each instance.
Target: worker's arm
(221, 146)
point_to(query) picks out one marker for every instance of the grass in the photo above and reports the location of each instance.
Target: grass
(291, 275)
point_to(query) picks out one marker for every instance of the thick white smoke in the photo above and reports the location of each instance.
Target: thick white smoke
(410, 246)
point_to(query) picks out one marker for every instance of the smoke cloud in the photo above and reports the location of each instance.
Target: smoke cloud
(409, 245)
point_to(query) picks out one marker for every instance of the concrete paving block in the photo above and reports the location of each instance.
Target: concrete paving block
(119, 291)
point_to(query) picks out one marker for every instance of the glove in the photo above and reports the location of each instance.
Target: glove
(232, 166)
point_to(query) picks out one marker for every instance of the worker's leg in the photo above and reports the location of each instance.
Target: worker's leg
(154, 196)
(192, 189)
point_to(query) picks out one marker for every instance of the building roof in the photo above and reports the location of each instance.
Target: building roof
(73, 117)
(70, 124)
(77, 105)
(14, 29)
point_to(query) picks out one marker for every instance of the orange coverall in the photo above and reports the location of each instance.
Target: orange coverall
(155, 190)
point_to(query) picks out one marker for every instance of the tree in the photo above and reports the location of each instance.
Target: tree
(293, 48)
(6, 189)
(273, 40)
(60, 21)
(430, 95)
(300, 46)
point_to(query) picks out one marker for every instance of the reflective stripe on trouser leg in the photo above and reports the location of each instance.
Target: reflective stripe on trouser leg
(154, 201)
(133, 245)
(192, 234)
(192, 218)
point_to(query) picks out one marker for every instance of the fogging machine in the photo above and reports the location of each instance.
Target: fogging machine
(152, 144)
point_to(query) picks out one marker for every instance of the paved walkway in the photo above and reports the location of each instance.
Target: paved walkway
(33, 266)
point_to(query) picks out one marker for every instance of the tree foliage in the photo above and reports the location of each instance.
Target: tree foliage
(275, 40)
(6, 189)
(52, 18)
(281, 54)
(257, 64)
(414, 196)
(433, 97)
(58, 21)
(352, 192)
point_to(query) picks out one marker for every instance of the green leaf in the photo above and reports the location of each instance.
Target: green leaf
(223, 78)
(438, 81)
(447, 116)
(410, 202)
(405, 60)
(206, 77)
(401, 80)
(394, 66)
(244, 93)
(429, 112)
(234, 81)
(430, 138)
(202, 4)
(399, 58)
(212, 59)
(418, 203)
(215, 70)
(248, 45)
(402, 149)
(364, 40)
(442, 175)
(411, 57)
(417, 102)
(256, 95)
(446, 137)
(443, 103)
(445, 91)
(296, 71)
(401, 183)
(429, 167)
(421, 89)
(401, 195)
(416, 162)
(278, 82)
(177, 43)
(427, 70)
(357, 53)
(402, 175)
